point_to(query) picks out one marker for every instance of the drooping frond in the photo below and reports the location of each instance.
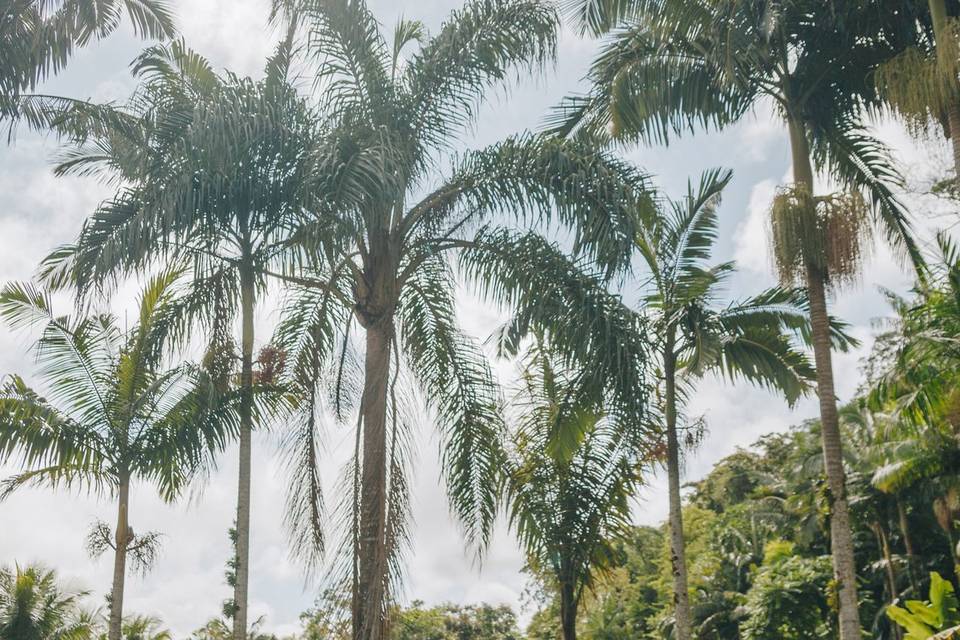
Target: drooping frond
(539, 179)
(665, 75)
(37, 37)
(556, 297)
(53, 448)
(862, 163)
(458, 385)
(354, 59)
(476, 47)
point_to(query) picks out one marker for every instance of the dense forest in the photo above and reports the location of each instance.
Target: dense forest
(352, 203)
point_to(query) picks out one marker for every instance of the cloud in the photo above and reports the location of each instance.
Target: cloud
(751, 243)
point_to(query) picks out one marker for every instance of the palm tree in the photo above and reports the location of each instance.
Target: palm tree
(33, 606)
(113, 415)
(568, 481)
(214, 168)
(921, 82)
(143, 628)
(37, 37)
(682, 65)
(388, 227)
(746, 339)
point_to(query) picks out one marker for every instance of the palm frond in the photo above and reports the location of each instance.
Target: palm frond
(458, 384)
(476, 47)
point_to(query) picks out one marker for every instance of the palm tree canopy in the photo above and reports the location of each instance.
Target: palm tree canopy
(570, 474)
(679, 66)
(112, 411)
(390, 242)
(37, 37)
(750, 338)
(33, 606)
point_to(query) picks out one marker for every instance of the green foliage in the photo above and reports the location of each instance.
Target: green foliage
(923, 620)
(569, 478)
(34, 606)
(38, 37)
(789, 599)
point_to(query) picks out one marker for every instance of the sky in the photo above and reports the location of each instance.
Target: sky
(186, 587)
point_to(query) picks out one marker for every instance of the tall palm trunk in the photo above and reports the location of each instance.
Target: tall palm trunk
(938, 15)
(121, 541)
(683, 626)
(908, 544)
(242, 558)
(369, 596)
(841, 539)
(568, 611)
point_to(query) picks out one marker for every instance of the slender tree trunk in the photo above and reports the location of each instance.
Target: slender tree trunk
(953, 121)
(683, 629)
(370, 595)
(568, 611)
(908, 545)
(242, 558)
(121, 540)
(884, 541)
(841, 539)
(938, 15)
(884, 547)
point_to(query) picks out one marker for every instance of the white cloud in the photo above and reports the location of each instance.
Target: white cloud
(751, 243)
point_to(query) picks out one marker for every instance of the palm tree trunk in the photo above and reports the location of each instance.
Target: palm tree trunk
(121, 540)
(568, 611)
(369, 597)
(908, 545)
(242, 558)
(841, 539)
(883, 541)
(683, 628)
(938, 15)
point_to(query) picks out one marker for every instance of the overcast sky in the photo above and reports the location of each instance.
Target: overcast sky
(39, 211)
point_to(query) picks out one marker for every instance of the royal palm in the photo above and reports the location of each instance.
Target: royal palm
(215, 169)
(111, 414)
(683, 65)
(386, 247)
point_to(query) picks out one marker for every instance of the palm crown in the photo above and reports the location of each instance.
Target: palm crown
(389, 217)
(569, 479)
(112, 413)
(745, 339)
(37, 37)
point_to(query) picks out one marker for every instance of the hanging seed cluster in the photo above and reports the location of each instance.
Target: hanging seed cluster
(919, 85)
(831, 233)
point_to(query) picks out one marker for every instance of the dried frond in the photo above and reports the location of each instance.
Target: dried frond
(99, 539)
(831, 233)
(143, 550)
